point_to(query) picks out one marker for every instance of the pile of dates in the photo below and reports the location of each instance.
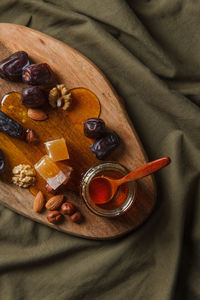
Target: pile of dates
(106, 141)
(18, 67)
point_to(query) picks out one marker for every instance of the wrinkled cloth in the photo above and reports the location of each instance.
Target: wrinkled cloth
(150, 52)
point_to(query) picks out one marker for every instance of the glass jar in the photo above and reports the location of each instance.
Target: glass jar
(104, 169)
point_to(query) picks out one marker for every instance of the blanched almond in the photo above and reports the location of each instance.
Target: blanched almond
(37, 114)
(54, 202)
(39, 202)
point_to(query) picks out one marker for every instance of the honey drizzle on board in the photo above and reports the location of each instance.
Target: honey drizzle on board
(60, 123)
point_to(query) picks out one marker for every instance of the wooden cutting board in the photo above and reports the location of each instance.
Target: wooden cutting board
(75, 70)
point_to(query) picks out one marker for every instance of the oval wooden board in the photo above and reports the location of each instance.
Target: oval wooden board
(75, 70)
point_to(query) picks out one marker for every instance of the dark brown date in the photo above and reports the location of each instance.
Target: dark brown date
(38, 74)
(105, 145)
(10, 126)
(33, 97)
(11, 68)
(2, 162)
(94, 128)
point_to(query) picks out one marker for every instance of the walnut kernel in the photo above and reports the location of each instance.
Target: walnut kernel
(23, 175)
(59, 96)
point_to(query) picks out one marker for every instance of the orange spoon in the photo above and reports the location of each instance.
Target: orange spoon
(110, 185)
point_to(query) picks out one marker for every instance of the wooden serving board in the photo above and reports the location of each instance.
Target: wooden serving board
(75, 70)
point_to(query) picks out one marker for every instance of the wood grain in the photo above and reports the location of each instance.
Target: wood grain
(75, 70)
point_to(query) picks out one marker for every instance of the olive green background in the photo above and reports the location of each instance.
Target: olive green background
(150, 52)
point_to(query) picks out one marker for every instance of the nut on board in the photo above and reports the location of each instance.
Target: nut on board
(54, 216)
(59, 96)
(39, 202)
(54, 202)
(23, 175)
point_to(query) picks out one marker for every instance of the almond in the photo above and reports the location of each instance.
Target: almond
(54, 202)
(39, 202)
(37, 114)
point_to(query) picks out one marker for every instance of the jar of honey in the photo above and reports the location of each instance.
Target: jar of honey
(123, 199)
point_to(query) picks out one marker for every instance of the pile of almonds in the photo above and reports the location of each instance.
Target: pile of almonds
(57, 207)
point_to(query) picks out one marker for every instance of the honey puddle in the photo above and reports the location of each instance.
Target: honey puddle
(60, 123)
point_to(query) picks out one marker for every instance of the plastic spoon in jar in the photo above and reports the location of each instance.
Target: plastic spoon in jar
(108, 186)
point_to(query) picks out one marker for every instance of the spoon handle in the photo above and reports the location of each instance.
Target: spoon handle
(146, 169)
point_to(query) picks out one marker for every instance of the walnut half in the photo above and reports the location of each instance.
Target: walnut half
(23, 175)
(59, 96)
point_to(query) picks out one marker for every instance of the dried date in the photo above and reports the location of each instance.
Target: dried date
(94, 128)
(32, 97)
(10, 126)
(38, 74)
(105, 145)
(11, 68)
(2, 162)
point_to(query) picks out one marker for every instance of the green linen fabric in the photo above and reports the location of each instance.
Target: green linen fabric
(150, 52)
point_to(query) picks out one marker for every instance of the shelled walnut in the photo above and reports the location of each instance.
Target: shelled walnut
(59, 96)
(23, 175)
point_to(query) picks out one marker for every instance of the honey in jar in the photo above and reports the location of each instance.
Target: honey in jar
(93, 193)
